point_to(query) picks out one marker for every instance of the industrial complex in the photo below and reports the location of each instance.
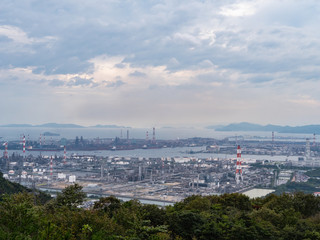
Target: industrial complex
(225, 166)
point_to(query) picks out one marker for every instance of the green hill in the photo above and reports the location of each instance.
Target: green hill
(7, 187)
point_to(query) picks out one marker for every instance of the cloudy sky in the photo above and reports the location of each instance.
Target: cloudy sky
(160, 62)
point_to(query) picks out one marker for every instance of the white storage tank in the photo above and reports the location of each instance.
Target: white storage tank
(72, 179)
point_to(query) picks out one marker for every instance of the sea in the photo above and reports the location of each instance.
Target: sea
(33, 133)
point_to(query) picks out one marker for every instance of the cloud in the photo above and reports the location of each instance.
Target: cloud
(56, 83)
(239, 9)
(111, 52)
(115, 84)
(137, 74)
(120, 65)
(77, 81)
(17, 35)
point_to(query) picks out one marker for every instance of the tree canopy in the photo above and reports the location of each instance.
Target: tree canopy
(229, 216)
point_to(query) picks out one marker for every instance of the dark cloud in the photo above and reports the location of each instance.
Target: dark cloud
(65, 35)
(77, 81)
(120, 65)
(114, 84)
(56, 83)
(137, 74)
(260, 79)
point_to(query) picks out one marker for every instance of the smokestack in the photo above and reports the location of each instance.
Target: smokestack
(238, 166)
(6, 155)
(24, 145)
(51, 168)
(6, 150)
(64, 154)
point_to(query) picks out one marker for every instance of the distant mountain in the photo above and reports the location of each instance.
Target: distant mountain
(57, 125)
(107, 126)
(17, 125)
(46, 125)
(245, 127)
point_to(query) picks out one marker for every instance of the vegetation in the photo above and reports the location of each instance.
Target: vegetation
(10, 187)
(314, 173)
(311, 186)
(229, 216)
(7, 187)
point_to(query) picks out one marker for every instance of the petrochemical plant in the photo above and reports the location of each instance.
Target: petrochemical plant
(53, 166)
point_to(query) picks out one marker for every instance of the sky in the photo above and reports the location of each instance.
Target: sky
(160, 62)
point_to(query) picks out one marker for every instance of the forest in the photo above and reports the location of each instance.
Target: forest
(30, 215)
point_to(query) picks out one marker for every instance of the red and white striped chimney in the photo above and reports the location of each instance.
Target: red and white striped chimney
(51, 168)
(238, 166)
(24, 145)
(6, 150)
(65, 154)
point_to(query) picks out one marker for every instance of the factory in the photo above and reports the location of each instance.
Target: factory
(165, 179)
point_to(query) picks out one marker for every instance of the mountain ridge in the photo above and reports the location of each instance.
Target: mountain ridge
(60, 125)
(247, 127)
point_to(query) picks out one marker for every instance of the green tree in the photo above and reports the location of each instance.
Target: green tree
(108, 205)
(185, 223)
(71, 197)
(154, 214)
(19, 218)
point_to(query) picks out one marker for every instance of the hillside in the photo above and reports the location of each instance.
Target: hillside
(7, 187)
(229, 216)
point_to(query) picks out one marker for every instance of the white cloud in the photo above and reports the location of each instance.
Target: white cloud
(18, 36)
(239, 9)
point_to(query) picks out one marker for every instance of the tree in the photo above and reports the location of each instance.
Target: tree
(18, 217)
(108, 205)
(154, 214)
(185, 224)
(71, 197)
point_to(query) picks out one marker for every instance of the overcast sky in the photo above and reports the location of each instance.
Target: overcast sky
(160, 62)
